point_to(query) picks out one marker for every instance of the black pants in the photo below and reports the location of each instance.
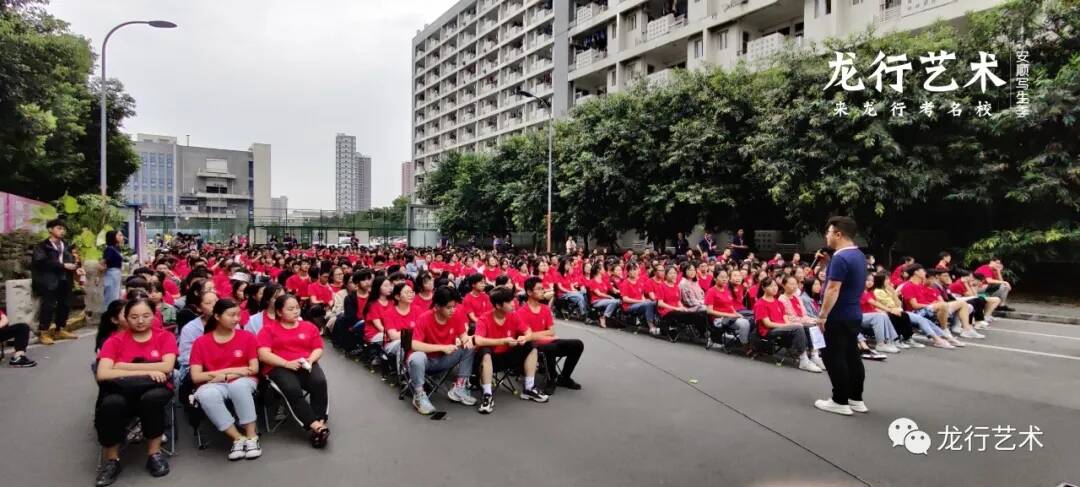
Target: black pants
(115, 410)
(698, 319)
(294, 383)
(316, 313)
(902, 325)
(979, 313)
(512, 359)
(56, 305)
(843, 361)
(20, 332)
(570, 348)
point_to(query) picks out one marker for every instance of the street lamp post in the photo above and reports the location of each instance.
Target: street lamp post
(551, 146)
(160, 24)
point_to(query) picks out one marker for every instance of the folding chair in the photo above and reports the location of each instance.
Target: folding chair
(676, 330)
(196, 417)
(432, 383)
(273, 399)
(133, 432)
(767, 346)
(541, 367)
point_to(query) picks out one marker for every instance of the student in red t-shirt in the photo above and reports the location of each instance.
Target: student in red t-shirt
(374, 308)
(298, 283)
(224, 367)
(996, 285)
(402, 315)
(476, 302)
(133, 377)
(537, 326)
(772, 322)
(441, 342)
(722, 309)
(425, 291)
(599, 287)
(492, 270)
(634, 301)
(502, 346)
(922, 300)
(670, 305)
(564, 286)
(321, 297)
(290, 349)
(20, 333)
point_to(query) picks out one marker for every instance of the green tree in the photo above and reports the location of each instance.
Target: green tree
(48, 109)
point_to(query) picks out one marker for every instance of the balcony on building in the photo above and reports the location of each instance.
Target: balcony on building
(585, 13)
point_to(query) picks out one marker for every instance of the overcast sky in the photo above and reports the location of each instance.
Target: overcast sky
(288, 73)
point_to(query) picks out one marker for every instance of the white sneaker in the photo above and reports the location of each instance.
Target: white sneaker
(956, 343)
(971, 334)
(252, 449)
(913, 344)
(902, 345)
(981, 325)
(832, 407)
(809, 366)
(237, 450)
(816, 359)
(888, 348)
(956, 329)
(461, 394)
(858, 406)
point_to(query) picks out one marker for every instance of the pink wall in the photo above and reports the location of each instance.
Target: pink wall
(16, 211)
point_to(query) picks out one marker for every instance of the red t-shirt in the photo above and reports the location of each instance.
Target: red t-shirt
(517, 278)
(739, 295)
(705, 282)
(323, 292)
(987, 271)
(540, 320)
(289, 343)
(375, 312)
(719, 298)
(552, 280)
(652, 286)
(428, 330)
(669, 295)
(477, 304)
(298, 285)
(864, 302)
(122, 347)
(171, 290)
(421, 303)
(487, 327)
(921, 293)
(491, 273)
(603, 286)
(896, 278)
(392, 319)
(236, 352)
(632, 290)
(958, 288)
(764, 309)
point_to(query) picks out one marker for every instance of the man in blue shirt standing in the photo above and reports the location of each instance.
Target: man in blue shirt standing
(841, 317)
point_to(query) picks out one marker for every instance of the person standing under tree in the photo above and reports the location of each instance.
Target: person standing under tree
(841, 318)
(52, 273)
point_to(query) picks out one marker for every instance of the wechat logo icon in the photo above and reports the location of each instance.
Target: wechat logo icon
(905, 432)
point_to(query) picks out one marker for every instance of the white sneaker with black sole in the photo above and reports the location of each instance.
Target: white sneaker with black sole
(807, 365)
(252, 449)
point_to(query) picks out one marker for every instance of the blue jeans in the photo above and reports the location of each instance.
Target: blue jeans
(609, 305)
(648, 308)
(112, 286)
(881, 326)
(420, 365)
(240, 392)
(577, 298)
(925, 325)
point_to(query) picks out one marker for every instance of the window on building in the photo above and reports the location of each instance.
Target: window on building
(699, 48)
(723, 39)
(828, 7)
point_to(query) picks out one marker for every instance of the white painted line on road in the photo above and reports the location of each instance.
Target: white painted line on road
(1021, 350)
(995, 330)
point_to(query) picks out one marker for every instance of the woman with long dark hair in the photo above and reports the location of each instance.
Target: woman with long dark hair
(112, 321)
(111, 263)
(225, 366)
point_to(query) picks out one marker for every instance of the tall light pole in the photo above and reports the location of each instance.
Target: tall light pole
(160, 24)
(551, 146)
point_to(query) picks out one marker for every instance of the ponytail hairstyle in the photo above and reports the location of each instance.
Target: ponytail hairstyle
(376, 285)
(251, 304)
(268, 296)
(106, 327)
(220, 308)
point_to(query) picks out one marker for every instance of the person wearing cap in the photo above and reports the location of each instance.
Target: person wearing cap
(53, 270)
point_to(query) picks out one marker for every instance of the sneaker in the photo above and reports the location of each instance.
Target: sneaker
(888, 348)
(237, 450)
(832, 407)
(157, 465)
(971, 334)
(487, 404)
(816, 359)
(422, 403)
(108, 472)
(913, 344)
(956, 343)
(902, 345)
(809, 366)
(956, 329)
(873, 355)
(981, 325)
(252, 449)
(858, 406)
(64, 335)
(534, 395)
(45, 338)
(946, 345)
(22, 361)
(461, 395)
(568, 383)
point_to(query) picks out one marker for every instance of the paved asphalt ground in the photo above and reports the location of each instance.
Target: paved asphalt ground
(638, 421)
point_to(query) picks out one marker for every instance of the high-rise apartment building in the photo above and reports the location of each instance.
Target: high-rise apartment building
(469, 63)
(406, 179)
(352, 176)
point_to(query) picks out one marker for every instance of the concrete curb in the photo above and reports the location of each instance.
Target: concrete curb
(1045, 318)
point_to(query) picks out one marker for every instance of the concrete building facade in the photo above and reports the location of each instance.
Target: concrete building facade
(352, 176)
(468, 63)
(406, 179)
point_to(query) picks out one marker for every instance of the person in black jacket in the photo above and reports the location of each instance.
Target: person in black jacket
(53, 270)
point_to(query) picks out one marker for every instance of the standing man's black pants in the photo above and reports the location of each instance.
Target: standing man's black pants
(843, 361)
(55, 305)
